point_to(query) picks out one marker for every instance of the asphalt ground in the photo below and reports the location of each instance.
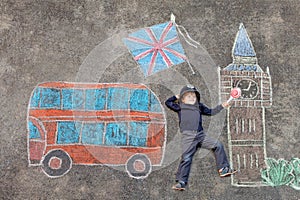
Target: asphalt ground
(57, 40)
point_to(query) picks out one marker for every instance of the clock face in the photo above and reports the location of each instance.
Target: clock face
(249, 88)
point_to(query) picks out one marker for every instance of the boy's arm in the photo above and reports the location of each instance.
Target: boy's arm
(210, 111)
(170, 103)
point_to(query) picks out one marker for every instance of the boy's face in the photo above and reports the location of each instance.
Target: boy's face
(189, 98)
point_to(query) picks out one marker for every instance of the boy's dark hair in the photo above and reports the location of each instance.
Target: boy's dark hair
(189, 88)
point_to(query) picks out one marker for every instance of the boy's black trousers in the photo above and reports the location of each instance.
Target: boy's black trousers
(191, 141)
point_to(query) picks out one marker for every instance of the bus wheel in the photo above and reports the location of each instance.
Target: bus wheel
(138, 166)
(56, 163)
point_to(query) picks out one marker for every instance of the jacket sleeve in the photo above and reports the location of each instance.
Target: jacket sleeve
(170, 103)
(210, 111)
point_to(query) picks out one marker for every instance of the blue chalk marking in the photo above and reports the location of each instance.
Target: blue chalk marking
(35, 99)
(117, 98)
(174, 58)
(100, 99)
(139, 100)
(139, 46)
(92, 133)
(34, 133)
(73, 99)
(144, 62)
(159, 64)
(154, 104)
(138, 134)
(149, 61)
(50, 98)
(95, 99)
(234, 67)
(116, 134)
(243, 45)
(90, 99)
(140, 34)
(67, 99)
(156, 30)
(68, 132)
(78, 99)
(171, 34)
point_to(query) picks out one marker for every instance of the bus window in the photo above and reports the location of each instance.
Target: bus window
(154, 104)
(117, 99)
(95, 99)
(92, 133)
(34, 132)
(138, 134)
(139, 100)
(73, 99)
(116, 134)
(68, 132)
(35, 99)
(50, 98)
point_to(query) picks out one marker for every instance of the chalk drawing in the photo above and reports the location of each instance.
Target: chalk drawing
(246, 116)
(95, 124)
(296, 166)
(156, 48)
(281, 172)
(96, 104)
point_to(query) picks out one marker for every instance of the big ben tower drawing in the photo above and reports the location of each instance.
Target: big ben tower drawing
(246, 117)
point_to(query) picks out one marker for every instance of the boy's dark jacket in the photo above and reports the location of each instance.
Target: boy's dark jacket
(190, 116)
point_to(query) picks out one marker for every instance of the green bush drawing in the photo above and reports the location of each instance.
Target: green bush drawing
(277, 172)
(296, 165)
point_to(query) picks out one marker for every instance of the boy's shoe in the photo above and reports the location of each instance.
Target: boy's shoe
(179, 186)
(226, 171)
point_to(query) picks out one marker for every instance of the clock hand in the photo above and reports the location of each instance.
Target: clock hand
(249, 86)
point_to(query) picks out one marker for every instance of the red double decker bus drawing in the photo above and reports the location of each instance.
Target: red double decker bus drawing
(119, 124)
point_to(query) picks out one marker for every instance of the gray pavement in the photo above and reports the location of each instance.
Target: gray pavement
(58, 40)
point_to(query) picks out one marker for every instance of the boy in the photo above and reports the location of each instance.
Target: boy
(190, 112)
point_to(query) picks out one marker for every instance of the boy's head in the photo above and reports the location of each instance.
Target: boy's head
(189, 95)
(189, 98)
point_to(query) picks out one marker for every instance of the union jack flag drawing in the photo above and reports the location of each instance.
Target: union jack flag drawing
(156, 48)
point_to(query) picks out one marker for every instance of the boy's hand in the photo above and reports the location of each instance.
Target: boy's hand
(177, 96)
(225, 105)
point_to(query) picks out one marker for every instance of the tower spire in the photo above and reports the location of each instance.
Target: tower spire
(243, 54)
(242, 44)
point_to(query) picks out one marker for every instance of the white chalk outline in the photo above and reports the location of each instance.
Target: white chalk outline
(265, 78)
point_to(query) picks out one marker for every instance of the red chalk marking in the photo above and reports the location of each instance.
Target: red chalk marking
(139, 165)
(234, 94)
(55, 163)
